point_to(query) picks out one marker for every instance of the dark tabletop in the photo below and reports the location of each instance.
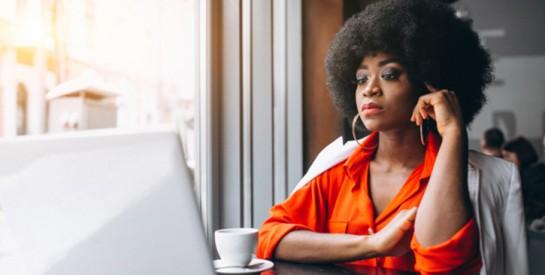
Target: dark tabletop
(288, 268)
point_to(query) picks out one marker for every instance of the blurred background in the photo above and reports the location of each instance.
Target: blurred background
(89, 64)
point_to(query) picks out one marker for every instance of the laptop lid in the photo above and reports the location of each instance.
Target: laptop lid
(102, 202)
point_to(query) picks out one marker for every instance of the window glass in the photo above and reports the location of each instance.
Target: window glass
(134, 59)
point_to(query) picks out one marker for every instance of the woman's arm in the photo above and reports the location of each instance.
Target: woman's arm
(445, 207)
(308, 246)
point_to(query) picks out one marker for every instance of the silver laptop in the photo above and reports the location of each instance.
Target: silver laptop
(102, 202)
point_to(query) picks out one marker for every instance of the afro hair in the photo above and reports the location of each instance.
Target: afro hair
(434, 45)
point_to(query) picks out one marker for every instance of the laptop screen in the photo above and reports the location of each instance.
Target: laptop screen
(102, 202)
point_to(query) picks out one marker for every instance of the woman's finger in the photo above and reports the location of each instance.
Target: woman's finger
(407, 219)
(442, 106)
(430, 88)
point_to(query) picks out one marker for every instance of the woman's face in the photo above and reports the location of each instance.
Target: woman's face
(385, 97)
(510, 156)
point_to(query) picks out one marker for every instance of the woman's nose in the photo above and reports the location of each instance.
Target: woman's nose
(372, 90)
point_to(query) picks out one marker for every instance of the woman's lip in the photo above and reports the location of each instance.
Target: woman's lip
(370, 106)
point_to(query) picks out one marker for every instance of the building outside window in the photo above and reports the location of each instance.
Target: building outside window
(138, 56)
(22, 106)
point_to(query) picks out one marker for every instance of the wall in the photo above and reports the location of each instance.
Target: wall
(322, 122)
(512, 31)
(516, 102)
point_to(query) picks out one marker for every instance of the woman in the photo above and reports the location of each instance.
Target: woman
(521, 152)
(414, 74)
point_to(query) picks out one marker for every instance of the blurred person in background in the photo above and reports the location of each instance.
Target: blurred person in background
(492, 142)
(532, 172)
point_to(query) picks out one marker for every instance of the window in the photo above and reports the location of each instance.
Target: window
(22, 107)
(138, 58)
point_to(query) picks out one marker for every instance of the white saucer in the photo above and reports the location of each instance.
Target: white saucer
(243, 270)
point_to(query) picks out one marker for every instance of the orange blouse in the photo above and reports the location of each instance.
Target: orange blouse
(337, 201)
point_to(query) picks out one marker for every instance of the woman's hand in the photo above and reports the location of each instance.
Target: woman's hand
(446, 196)
(395, 238)
(313, 247)
(443, 107)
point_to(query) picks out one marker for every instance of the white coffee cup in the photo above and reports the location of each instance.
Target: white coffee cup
(236, 246)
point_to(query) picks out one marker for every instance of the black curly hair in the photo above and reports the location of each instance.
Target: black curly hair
(524, 150)
(432, 44)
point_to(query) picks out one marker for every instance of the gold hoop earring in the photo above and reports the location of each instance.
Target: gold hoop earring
(354, 121)
(424, 128)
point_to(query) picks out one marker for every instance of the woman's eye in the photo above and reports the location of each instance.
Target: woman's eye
(360, 80)
(390, 75)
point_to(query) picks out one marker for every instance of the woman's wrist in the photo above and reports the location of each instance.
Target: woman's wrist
(455, 132)
(370, 247)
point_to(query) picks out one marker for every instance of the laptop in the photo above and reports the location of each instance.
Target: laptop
(102, 202)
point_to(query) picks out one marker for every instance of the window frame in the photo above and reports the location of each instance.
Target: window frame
(249, 120)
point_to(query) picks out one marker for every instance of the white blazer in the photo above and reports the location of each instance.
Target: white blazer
(494, 188)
